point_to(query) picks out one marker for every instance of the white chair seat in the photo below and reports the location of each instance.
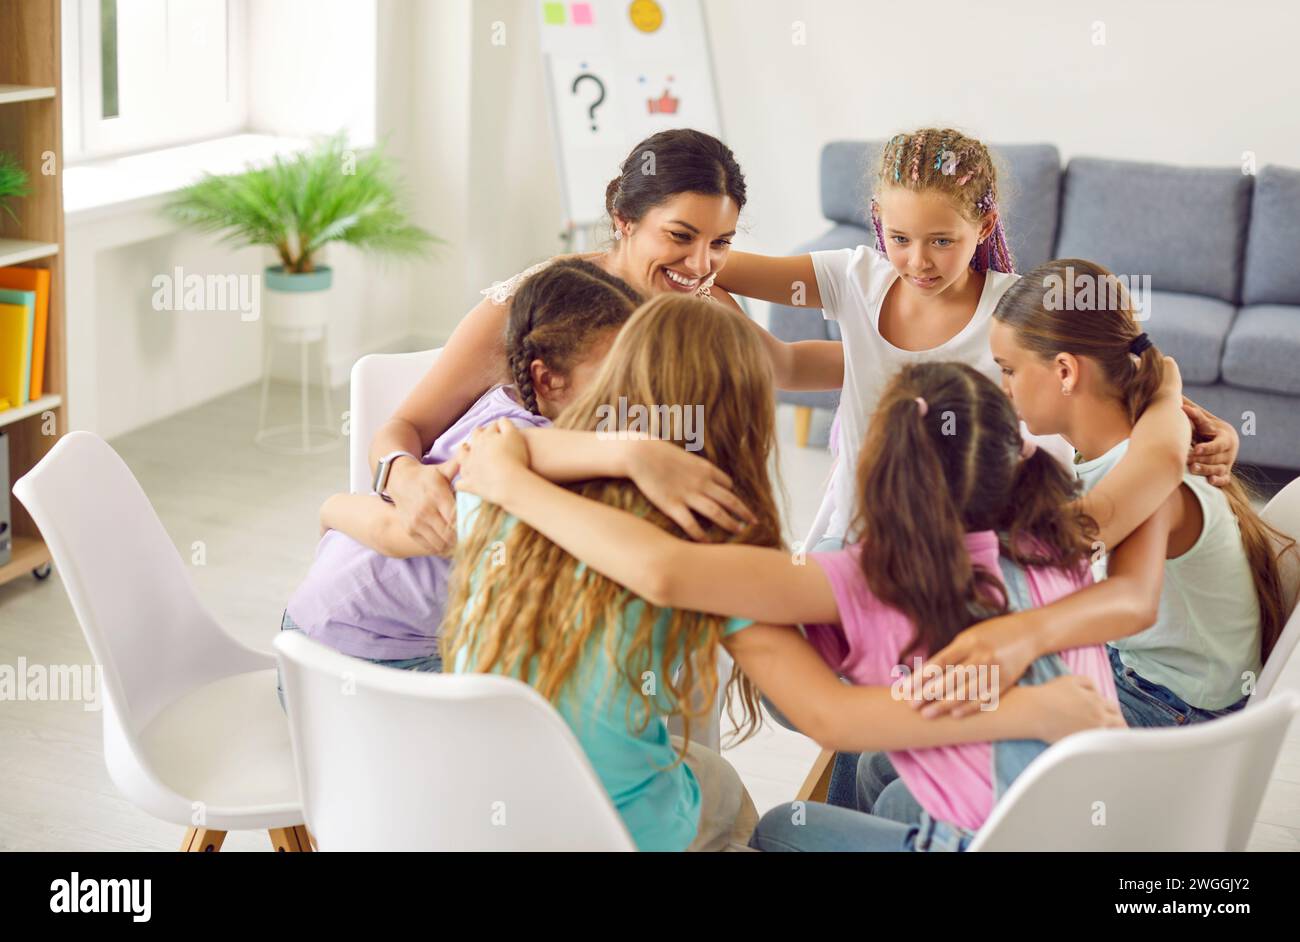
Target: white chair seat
(226, 744)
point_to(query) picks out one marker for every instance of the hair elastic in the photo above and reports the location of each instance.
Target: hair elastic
(922, 406)
(1140, 344)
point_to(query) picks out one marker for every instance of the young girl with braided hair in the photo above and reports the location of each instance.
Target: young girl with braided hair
(370, 592)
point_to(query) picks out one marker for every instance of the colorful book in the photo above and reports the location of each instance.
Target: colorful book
(38, 280)
(15, 352)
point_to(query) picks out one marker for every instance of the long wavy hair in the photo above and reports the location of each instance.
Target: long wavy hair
(943, 456)
(1101, 327)
(543, 609)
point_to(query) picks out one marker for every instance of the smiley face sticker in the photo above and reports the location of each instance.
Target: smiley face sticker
(646, 15)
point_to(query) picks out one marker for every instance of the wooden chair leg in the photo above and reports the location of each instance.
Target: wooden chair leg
(818, 781)
(802, 425)
(292, 840)
(202, 840)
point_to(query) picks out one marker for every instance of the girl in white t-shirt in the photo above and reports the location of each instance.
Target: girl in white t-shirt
(924, 292)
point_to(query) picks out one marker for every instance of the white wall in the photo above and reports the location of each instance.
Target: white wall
(312, 67)
(1179, 81)
(482, 161)
(1189, 82)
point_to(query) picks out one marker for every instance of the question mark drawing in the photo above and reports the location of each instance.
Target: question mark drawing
(591, 111)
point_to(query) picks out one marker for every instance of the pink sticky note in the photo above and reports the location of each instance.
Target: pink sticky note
(581, 13)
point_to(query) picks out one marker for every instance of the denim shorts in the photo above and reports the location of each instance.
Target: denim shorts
(1145, 703)
(429, 664)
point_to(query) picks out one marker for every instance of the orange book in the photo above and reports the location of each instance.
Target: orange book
(38, 280)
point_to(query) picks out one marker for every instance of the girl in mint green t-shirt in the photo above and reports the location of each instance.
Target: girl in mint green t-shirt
(1076, 363)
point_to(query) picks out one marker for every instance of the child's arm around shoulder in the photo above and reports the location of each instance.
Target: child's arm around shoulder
(723, 579)
(1125, 602)
(848, 718)
(1150, 471)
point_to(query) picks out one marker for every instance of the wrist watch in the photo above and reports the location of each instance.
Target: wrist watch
(384, 469)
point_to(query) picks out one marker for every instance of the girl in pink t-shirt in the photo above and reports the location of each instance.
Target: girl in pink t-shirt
(946, 486)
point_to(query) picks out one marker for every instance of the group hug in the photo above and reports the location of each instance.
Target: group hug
(1018, 483)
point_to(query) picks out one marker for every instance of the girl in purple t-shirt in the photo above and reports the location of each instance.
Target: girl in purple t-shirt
(388, 610)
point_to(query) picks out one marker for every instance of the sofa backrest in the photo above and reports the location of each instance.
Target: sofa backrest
(1185, 227)
(1272, 274)
(1030, 186)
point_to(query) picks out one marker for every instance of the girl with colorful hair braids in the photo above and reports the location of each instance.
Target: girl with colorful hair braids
(924, 292)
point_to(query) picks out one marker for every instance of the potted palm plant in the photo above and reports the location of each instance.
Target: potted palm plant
(297, 206)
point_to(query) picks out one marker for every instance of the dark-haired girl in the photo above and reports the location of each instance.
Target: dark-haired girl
(362, 600)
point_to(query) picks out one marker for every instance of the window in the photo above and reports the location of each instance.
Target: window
(143, 74)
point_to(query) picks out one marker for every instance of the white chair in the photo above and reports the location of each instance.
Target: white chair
(380, 381)
(395, 760)
(1283, 513)
(193, 732)
(1193, 788)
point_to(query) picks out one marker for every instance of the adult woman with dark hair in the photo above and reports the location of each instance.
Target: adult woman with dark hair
(674, 209)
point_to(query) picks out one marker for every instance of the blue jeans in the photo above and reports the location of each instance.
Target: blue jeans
(1146, 703)
(430, 664)
(811, 826)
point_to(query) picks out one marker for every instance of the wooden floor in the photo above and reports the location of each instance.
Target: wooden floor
(255, 515)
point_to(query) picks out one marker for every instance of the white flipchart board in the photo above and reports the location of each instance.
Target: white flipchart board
(617, 71)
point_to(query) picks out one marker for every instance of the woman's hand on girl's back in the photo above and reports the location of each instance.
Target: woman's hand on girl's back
(425, 502)
(1072, 704)
(1215, 445)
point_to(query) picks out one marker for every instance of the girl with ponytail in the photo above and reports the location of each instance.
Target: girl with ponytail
(1081, 367)
(947, 485)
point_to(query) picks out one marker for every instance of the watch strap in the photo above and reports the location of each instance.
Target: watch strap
(384, 469)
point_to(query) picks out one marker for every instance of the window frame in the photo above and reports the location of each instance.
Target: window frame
(166, 122)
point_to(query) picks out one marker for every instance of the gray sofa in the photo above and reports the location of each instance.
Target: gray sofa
(1219, 246)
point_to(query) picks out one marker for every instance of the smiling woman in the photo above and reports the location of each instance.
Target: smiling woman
(673, 211)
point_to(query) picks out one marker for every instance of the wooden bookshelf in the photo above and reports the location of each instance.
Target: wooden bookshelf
(31, 129)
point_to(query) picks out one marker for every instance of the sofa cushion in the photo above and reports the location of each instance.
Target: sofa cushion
(1272, 275)
(1183, 226)
(1268, 424)
(1192, 329)
(1030, 192)
(1263, 349)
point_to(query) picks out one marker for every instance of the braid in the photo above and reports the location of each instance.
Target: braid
(521, 361)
